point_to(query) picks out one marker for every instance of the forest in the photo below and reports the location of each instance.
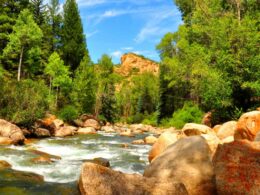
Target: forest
(211, 64)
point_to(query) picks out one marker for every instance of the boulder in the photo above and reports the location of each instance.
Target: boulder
(257, 138)
(165, 139)
(227, 129)
(47, 121)
(150, 139)
(216, 128)
(108, 129)
(56, 124)
(99, 161)
(188, 161)
(5, 141)
(213, 141)
(41, 132)
(44, 154)
(139, 141)
(96, 180)
(86, 130)
(11, 131)
(65, 131)
(227, 139)
(248, 126)
(207, 119)
(127, 134)
(196, 129)
(4, 165)
(237, 168)
(92, 123)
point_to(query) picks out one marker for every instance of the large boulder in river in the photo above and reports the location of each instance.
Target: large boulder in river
(248, 126)
(97, 180)
(108, 129)
(92, 123)
(4, 165)
(188, 161)
(65, 131)
(11, 131)
(165, 139)
(237, 168)
(5, 141)
(227, 129)
(41, 132)
(86, 130)
(190, 129)
(56, 124)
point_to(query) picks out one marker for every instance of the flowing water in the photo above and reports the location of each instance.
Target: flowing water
(73, 151)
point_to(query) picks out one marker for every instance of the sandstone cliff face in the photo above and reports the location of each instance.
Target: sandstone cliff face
(135, 64)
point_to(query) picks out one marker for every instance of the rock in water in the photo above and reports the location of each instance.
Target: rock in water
(4, 165)
(150, 139)
(11, 131)
(227, 129)
(41, 132)
(99, 180)
(86, 130)
(237, 168)
(65, 131)
(5, 141)
(165, 139)
(188, 161)
(248, 126)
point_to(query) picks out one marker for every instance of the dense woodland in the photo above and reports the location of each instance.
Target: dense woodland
(210, 64)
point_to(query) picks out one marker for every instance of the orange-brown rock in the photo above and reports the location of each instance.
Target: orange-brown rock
(11, 131)
(150, 139)
(42, 160)
(132, 63)
(187, 161)
(65, 131)
(227, 129)
(237, 168)
(48, 120)
(213, 141)
(56, 124)
(190, 129)
(248, 126)
(86, 130)
(165, 139)
(44, 154)
(127, 134)
(97, 180)
(5, 141)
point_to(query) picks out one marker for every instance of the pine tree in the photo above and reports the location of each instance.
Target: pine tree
(73, 39)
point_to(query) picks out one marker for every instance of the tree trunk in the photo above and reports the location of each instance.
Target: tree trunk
(20, 65)
(57, 94)
(50, 86)
(238, 11)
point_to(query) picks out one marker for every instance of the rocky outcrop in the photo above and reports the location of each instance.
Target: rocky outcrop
(97, 180)
(196, 129)
(227, 129)
(99, 161)
(248, 126)
(165, 139)
(132, 63)
(188, 161)
(11, 131)
(207, 119)
(237, 168)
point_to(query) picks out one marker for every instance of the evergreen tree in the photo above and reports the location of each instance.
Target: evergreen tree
(84, 86)
(55, 22)
(73, 39)
(24, 41)
(39, 11)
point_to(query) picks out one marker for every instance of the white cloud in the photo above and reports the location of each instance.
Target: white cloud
(127, 48)
(116, 54)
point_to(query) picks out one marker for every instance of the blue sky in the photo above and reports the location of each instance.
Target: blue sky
(116, 27)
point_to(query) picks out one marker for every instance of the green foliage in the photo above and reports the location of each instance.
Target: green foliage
(68, 113)
(190, 113)
(73, 39)
(84, 86)
(23, 102)
(151, 119)
(24, 41)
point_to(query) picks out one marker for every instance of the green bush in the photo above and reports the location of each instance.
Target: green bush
(68, 113)
(23, 102)
(151, 119)
(190, 113)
